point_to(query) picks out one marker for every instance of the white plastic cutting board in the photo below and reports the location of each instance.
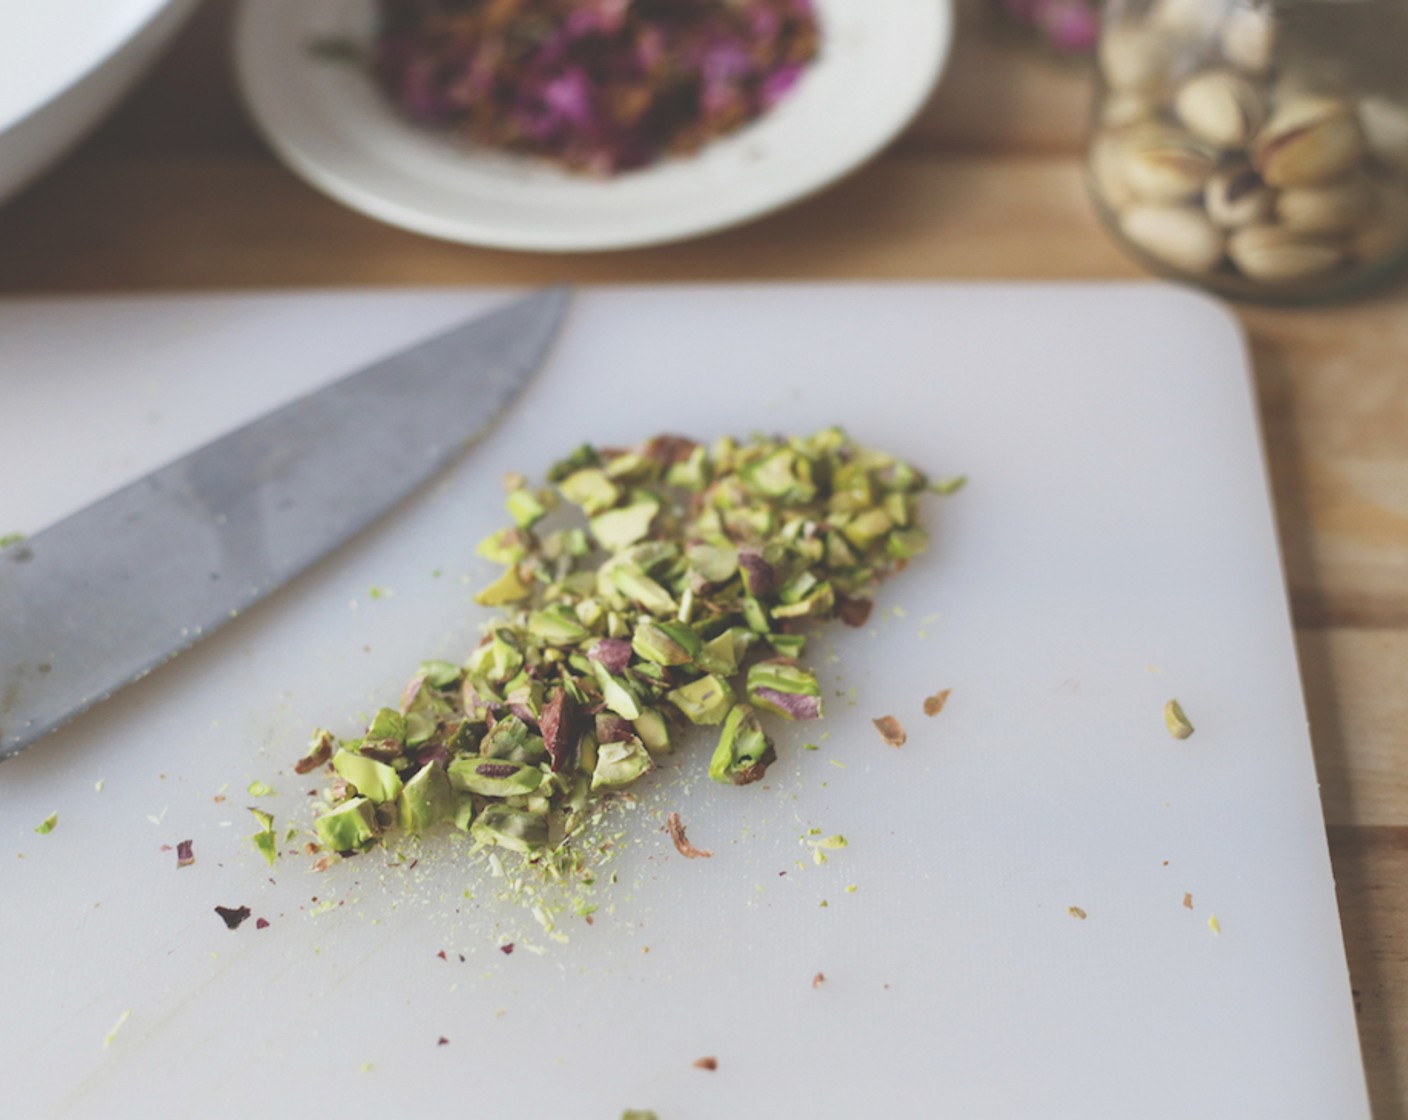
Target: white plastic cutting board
(1113, 549)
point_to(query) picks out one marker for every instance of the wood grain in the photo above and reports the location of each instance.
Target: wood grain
(177, 192)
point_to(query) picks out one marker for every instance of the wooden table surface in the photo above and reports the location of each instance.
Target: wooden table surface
(176, 192)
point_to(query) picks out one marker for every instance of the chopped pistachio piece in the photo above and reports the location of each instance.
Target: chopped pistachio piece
(492, 777)
(319, 752)
(47, 825)
(350, 827)
(427, 799)
(516, 829)
(1178, 725)
(784, 688)
(705, 702)
(744, 751)
(508, 588)
(620, 763)
(260, 789)
(376, 781)
(617, 528)
(264, 840)
(388, 723)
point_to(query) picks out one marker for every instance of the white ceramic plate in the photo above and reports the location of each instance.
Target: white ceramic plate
(63, 64)
(880, 61)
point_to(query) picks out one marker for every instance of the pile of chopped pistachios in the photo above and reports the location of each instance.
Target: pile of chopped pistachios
(682, 601)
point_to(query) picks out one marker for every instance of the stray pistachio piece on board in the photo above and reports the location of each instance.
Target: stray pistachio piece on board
(1177, 721)
(644, 592)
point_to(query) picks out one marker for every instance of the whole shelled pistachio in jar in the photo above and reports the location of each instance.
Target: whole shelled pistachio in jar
(1257, 148)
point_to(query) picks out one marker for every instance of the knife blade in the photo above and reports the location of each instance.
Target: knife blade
(105, 596)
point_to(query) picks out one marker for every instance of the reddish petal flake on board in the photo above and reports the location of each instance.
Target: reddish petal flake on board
(507, 950)
(233, 916)
(818, 980)
(261, 923)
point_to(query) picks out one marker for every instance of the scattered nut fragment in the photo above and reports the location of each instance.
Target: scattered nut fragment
(890, 730)
(1188, 900)
(1308, 140)
(933, 705)
(1178, 725)
(706, 1063)
(818, 980)
(675, 827)
(1076, 912)
(1336, 207)
(1219, 107)
(1276, 255)
(1237, 197)
(1180, 235)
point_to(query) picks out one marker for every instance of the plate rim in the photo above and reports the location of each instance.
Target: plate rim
(291, 145)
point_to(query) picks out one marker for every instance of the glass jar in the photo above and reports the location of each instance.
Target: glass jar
(1255, 147)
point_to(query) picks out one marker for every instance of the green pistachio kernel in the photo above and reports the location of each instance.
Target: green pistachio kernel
(494, 777)
(388, 723)
(512, 740)
(653, 730)
(264, 840)
(525, 508)
(558, 625)
(705, 702)
(616, 693)
(350, 827)
(508, 588)
(665, 643)
(591, 490)
(620, 763)
(375, 781)
(440, 674)
(516, 829)
(618, 528)
(788, 690)
(427, 799)
(744, 751)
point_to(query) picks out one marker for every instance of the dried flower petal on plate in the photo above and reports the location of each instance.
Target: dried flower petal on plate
(600, 88)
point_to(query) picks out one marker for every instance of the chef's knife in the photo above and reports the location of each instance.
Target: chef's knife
(105, 596)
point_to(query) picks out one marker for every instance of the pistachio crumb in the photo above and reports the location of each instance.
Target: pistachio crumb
(818, 980)
(1187, 900)
(1177, 721)
(706, 1063)
(890, 730)
(47, 825)
(112, 1034)
(1076, 912)
(1214, 924)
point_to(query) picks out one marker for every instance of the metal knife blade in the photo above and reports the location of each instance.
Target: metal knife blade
(105, 596)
